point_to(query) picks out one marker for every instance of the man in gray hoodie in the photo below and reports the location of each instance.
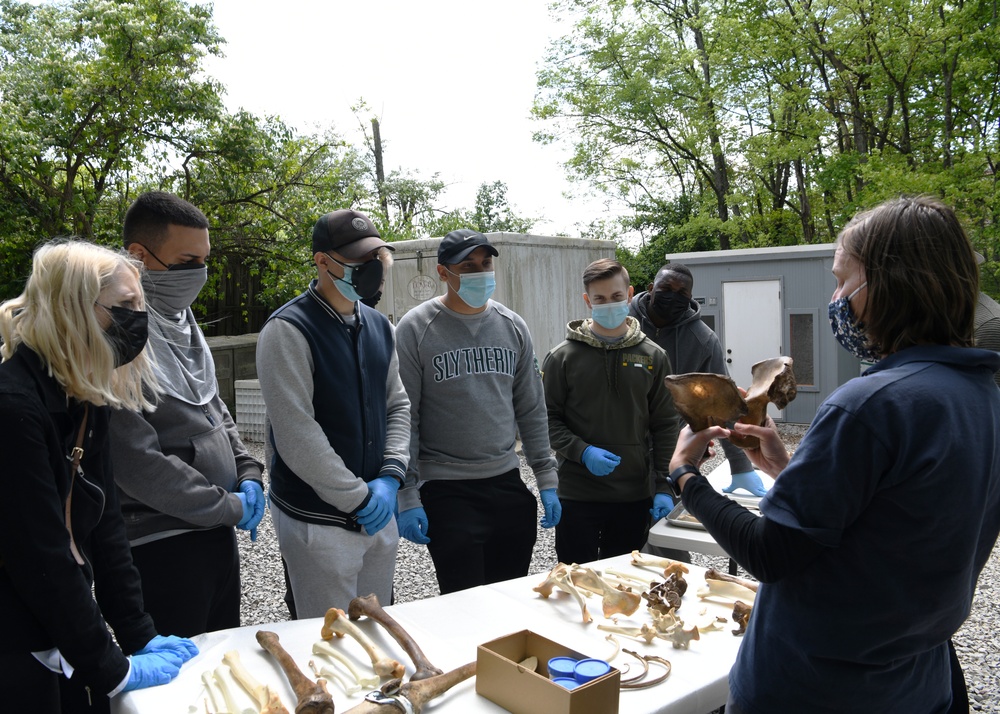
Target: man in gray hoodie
(473, 381)
(672, 319)
(184, 475)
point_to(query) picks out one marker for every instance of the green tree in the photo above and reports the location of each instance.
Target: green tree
(777, 120)
(492, 213)
(262, 186)
(90, 90)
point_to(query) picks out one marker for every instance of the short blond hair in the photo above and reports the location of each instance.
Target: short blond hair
(55, 317)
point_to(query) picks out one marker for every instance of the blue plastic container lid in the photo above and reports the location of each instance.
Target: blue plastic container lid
(588, 669)
(566, 682)
(562, 667)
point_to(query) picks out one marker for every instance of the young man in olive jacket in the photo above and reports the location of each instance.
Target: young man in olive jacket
(607, 404)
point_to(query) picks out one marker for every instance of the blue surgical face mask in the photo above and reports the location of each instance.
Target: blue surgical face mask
(610, 315)
(475, 289)
(848, 331)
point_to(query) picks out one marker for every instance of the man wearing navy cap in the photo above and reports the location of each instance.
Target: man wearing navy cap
(339, 423)
(474, 386)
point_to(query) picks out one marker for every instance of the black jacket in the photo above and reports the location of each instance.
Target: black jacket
(45, 596)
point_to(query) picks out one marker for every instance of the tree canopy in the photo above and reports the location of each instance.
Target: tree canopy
(103, 99)
(742, 123)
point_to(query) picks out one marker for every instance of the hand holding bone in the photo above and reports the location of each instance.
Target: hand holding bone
(770, 454)
(691, 445)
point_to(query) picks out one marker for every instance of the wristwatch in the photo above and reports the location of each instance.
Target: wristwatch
(675, 476)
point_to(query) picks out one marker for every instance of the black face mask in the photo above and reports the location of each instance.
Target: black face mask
(373, 300)
(366, 279)
(670, 306)
(127, 333)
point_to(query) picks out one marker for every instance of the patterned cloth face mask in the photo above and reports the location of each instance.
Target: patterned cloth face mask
(849, 332)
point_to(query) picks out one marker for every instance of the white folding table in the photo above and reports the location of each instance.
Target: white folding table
(450, 627)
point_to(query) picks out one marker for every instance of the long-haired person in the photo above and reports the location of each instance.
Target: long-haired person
(877, 528)
(72, 351)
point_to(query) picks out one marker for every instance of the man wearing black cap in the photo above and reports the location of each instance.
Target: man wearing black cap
(474, 386)
(339, 423)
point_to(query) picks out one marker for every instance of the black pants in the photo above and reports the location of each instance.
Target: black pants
(191, 581)
(29, 686)
(590, 531)
(959, 690)
(481, 530)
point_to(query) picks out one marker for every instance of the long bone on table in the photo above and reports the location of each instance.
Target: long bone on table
(312, 697)
(368, 606)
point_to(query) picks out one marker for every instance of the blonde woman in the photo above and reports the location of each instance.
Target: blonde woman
(72, 351)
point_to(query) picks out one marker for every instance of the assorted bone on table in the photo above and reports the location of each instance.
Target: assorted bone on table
(667, 535)
(449, 629)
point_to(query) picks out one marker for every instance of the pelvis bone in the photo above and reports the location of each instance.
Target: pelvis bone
(706, 400)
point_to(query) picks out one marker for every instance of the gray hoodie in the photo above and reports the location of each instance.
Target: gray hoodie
(692, 346)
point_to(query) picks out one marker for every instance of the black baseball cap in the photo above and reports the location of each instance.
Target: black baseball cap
(456, 246)
(350, 233)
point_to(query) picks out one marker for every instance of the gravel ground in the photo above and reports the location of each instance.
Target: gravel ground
(977, 642)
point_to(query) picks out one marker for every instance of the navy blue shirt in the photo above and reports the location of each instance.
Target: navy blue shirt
(898, 481)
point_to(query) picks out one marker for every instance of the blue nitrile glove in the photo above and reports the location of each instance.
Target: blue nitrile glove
(413, 525)
(255, 498)
(149, 670)
(181, 646)
(247, 511)
(749, 482)
(600, 462)
(377, 514)
(662, 505)
(553, 509)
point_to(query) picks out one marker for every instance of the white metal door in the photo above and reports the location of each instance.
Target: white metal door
(752, 327)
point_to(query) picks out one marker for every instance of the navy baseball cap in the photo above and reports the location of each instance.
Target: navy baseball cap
(456, 246)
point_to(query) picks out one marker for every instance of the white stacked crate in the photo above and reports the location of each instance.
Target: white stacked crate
(249, 410)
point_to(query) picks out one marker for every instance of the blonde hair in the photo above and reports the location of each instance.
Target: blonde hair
(55, 317)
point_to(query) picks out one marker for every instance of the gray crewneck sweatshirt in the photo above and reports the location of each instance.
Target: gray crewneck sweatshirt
(474, 386)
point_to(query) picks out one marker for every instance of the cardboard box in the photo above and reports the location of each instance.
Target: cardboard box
(500, 679)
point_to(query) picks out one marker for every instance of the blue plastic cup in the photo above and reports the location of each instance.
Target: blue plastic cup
(562, 667)
(588, 669)
(566, 682)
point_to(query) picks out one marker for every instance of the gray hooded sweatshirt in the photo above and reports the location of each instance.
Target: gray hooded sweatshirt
(692, 347)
